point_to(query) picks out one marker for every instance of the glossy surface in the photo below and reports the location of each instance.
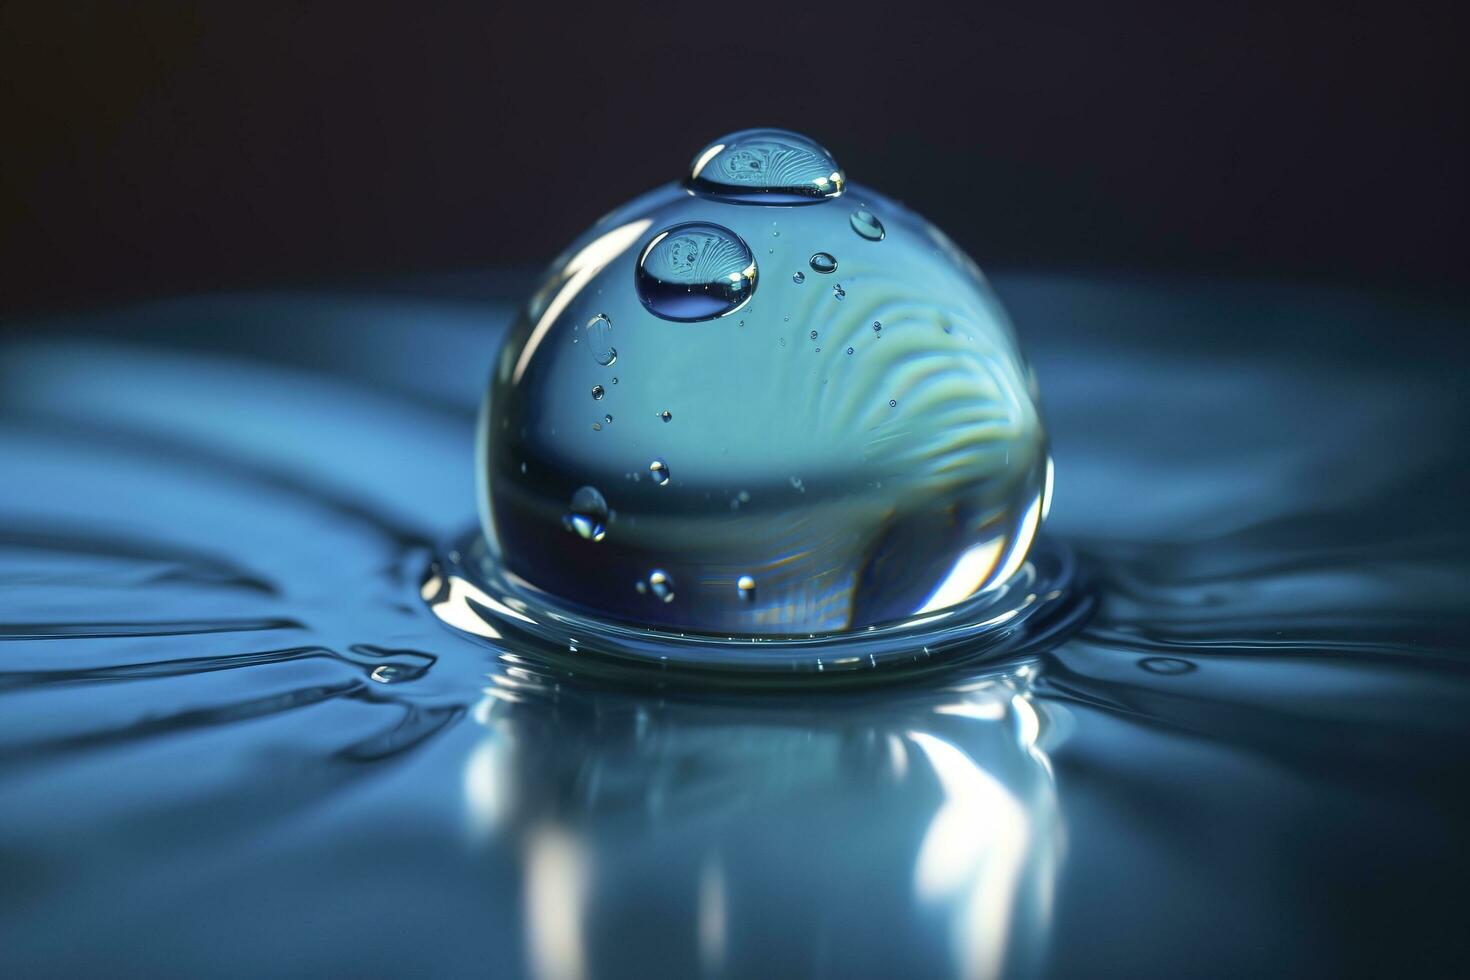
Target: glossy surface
(235, 738)
(766, 166)
(859, 488)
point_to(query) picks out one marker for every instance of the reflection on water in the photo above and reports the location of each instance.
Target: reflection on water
(234, 739)
(708, 820)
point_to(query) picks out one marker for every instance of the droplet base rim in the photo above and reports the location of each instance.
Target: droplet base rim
(1040, 605)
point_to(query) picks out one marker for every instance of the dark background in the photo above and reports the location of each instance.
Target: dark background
(168, 147)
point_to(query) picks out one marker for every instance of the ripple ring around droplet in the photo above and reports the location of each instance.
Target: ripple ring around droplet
(1042, 604)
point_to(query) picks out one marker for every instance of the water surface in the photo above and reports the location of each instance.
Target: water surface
(234, 740)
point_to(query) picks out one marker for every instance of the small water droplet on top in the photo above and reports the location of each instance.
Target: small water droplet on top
(599, 339)
(798, 278)
(745, 588)
(893, 403)
(838, 291)
(666, 415)
(823, 262)
(695, 271)
(615, 380)
(598, 392)
(766, 166)
(849, 350)
(814, 335)
(866, 224)
(587, 514)
(877, 327)
(661, 585)
(607, 419)
(659, 471)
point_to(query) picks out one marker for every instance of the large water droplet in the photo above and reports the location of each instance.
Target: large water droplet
(766, 166)
(588, 514)
(824, 263)
(599, 339)
(895, 522)
(866, 224)
(695, 271)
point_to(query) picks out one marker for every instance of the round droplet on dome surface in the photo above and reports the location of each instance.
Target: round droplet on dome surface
(766, 166)
(798, 277)
(599, 339)
(745, 588)
(661, 585)
(695, 271)
(659, 471)
(866, 224)
(587, 514)
(824, 263)
(666, 415)
(597, 392)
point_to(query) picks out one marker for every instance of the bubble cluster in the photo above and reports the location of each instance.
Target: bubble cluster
(895, 479)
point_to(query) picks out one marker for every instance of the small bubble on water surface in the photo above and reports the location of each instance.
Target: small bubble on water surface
(659, 471)
(866, 224)
(599, 339)
(661, 585)
(1170, 666)
(823, 262)
(587, 514)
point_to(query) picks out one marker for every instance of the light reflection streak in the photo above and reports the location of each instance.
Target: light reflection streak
(580, 269)
(712, 927)
(557, 879)
(978, 790)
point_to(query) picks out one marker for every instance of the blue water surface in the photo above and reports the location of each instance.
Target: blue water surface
(234, 739)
